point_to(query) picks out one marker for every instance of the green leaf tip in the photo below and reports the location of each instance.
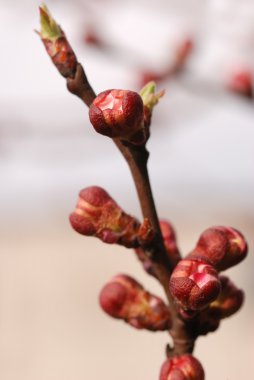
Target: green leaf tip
(49, 28)
(148, 95)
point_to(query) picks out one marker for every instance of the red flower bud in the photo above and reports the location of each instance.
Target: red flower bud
(230, 299)
(97, 214)
(117, 113)
(169, 238)
(124, 298)
(183, 50)
(223, 247)
(56, 44)
(241, 82)
(194, 284)
(229, 302)
(184, 367)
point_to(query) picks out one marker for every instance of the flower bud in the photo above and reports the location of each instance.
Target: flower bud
(117, 113)
(223, 247)
(241, 82)
(183, 50)
(184, 367)
(56, 44)
(97, 214)
(230, 299)
(124, 298)
(169, 238)
(194, 284)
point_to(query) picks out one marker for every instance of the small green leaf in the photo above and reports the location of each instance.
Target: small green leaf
(49, 28)
(148, 95)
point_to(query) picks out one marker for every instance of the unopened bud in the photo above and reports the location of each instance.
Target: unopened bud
(184, 367)
(228, 302)
(223, 247)
(97, 214)
(183, 50)
(124, 298)
(117, 113)
(241, 82)
(56, 44)
(194, 284)
(230, 299)
(169, 238)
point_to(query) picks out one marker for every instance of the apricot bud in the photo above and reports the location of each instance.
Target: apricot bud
(184, 367)
(230, 299)
(97, 214)
(169, 238)
(117, 113)
(124, 298)
(223, 247)
(194, 284)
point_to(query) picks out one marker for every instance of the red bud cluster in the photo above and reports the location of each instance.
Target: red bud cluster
(124, 298)
(223, 247)
(118, 113)
(194, 284)
(97, 214)
(184, 367)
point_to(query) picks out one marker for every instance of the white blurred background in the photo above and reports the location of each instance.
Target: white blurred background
(201, 165)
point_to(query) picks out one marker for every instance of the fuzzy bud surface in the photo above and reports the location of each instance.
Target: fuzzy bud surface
(194, 284)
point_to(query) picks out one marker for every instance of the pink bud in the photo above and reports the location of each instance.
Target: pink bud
(169, 238)
(223, 247)
(124, 298)
(117, 113)
(241, 82)
(184, 367)
(230, 299)
(194, 284)
(97, 214)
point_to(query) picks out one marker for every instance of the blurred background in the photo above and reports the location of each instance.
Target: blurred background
(201, 167)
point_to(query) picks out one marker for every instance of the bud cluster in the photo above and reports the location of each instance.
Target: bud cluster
(124, 298)
(196, 285)
(184, 367)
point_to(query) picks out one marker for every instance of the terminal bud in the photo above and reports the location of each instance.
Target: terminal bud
(56, 44)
